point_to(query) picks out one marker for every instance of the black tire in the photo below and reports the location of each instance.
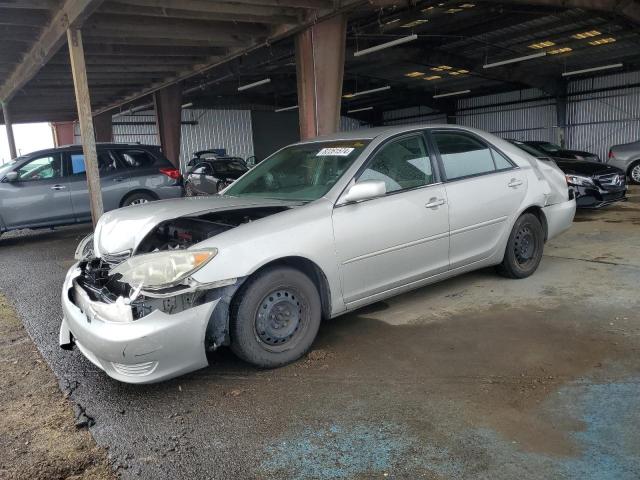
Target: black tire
(524, 248)
(634, 173)
(275, 317)
(137, 199)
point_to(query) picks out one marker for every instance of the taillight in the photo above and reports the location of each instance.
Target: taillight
(611, 155)
(173, 173)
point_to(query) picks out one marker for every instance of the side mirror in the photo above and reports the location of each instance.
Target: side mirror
(365, 190)
(11, 176)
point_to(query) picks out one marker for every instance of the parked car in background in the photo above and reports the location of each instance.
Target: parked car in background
(318, 229)
(49, 187)
(626, 157)
(593, 184)
(555, 151)
(211, 175)
(208, 154)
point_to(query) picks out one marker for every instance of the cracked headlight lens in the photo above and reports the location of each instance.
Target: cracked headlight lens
(579, 180)
(163, 269)
(85, 248)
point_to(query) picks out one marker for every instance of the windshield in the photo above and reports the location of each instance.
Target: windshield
(300, 172)
(547, 147)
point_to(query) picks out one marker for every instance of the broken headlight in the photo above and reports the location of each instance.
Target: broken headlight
(84, 249)
(579, 180)
(163, 269)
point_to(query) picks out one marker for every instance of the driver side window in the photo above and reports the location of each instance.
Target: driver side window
(401, 164)
(41, 168)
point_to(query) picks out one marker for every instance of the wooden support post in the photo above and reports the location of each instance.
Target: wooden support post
(83, 102)
(104, 127)
(9, 126)
(320, 54)
(168, 103)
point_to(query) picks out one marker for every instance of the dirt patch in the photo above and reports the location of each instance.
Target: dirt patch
(39, 438)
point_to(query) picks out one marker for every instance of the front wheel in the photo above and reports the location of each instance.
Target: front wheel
(275, 317)
(524, 248)
(137, 199)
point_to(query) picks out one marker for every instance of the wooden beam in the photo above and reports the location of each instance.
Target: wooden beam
(30, 4)
(9, 128)
(71, 15)
(308, 4)
(169, 41)
(172, 50)
(104, 127)
(168, 103)
(126, 9)
(76, 54)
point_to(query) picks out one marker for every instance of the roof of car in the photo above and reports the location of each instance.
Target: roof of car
(375, 132)
(64, 148)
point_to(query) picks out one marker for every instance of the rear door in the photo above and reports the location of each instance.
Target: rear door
(112, 181)
(144, 167)
(40, 195)
(484, 190)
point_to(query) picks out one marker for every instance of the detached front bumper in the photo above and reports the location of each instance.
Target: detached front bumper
(156, 347)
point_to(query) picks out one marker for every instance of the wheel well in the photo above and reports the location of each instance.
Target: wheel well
(313, 271)
(537, 211)
(631, 165)
(133, 192)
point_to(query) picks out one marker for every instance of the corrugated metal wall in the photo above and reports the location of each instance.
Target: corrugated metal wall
(408, 116)
(230, 129)
(598, 120)
(519, 117)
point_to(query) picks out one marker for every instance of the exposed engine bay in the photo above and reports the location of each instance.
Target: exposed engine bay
(186, 231)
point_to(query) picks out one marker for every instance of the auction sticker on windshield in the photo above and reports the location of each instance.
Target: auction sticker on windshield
(335, 152)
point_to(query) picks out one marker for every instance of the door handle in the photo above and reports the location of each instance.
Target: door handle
(435, 202)
(514, 183)
(119, 179)
(58, 187)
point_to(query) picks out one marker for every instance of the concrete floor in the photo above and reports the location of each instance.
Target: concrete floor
(477, 377)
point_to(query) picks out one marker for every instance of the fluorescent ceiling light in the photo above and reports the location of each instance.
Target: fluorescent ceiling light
(187, 105)
(286, 109)
(515, 60)
(451, 94)
(590, 33)
(360, 110)
(254, 84)
(415, 23)
(366, 92)
(544, 44)
(594, 69)
(382, 46)
(414, 74)
(432, 77)
(559, 50)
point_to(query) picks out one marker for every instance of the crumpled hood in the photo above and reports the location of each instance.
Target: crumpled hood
(123, 229)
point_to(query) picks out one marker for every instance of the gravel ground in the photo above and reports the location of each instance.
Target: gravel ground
(477, 377)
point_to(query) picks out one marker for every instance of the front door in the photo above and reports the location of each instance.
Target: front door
(39, 196)
(402, 237)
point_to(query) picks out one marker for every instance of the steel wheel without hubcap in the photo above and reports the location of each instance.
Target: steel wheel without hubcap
(524, 246)
(635, 173)
(139, 201)
(280, 320)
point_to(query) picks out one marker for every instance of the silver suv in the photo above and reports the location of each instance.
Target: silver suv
(627, 157)
(49, 187)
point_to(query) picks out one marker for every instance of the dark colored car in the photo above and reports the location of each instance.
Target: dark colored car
(210, 175)
(209, 154)
(555, 151)
(594, 184)
(49, 187)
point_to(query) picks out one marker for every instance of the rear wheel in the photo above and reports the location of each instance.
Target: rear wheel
(137, 199)
(634, 173)
(524, 248)
(275, 317)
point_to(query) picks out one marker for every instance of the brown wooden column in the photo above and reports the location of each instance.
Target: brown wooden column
(104, 127)
(63, 133)
(9, 126)
(320, 54)
(168, 103)
(83, 102)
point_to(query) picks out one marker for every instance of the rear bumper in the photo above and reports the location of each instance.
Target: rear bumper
(156, 347)
(559, 217)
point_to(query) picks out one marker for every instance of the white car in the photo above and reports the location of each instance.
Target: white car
(320, 228)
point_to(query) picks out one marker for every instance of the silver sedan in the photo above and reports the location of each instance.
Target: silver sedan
(318, 229)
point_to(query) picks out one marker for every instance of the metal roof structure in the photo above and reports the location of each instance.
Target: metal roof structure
(134, 47)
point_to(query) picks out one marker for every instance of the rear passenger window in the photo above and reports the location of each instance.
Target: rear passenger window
(502, 163)
(106, 163)
(463, 155)
(136, 158)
